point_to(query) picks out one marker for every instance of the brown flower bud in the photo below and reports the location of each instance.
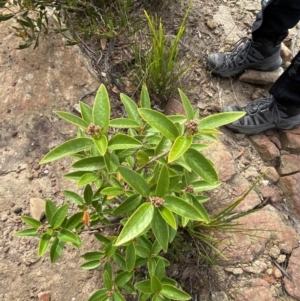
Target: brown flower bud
(156, 201)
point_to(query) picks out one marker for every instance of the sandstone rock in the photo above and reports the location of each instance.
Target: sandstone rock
(263, 225)
(231, 191)
(256, 290)
(31, 257)
(281, 258)
(290, 140)
(44, 296)
(276, 141)
(272, 174)
(265, 147)
(292, 285)
(289, 164)
(218, 296)
(222, 159)
(37, 208)
(257, 267)
(276, 272)
(291, 189)
(274, 252)
(212, 24)
(174, 107)
(270, 194)
(261, 77)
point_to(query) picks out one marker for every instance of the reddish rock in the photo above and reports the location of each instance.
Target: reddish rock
(260, 227)
(174, 107)
(222, 159)
(272, 174)
(44, 296)
(270, 194)
(255, 290)
(289, 164)
(276, 141)
(226, 194)
(291, 190)
(265, 147)
(292, 285)
(290, 140)
(260, 77)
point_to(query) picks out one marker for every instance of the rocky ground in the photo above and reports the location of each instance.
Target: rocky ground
(263, 265)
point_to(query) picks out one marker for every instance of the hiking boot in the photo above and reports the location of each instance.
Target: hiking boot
(264, 114)
(259, 55)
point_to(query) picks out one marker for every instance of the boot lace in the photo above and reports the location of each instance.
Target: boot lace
(240, 49)
(265, 104)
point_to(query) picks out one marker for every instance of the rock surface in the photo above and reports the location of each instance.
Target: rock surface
(37, 208)
(260, 77)
(292, 285)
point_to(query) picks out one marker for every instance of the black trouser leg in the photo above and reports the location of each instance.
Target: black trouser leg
(275, 18)
(286, 89)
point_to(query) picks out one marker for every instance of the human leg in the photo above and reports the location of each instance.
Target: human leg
(279, 111)
(262, 51)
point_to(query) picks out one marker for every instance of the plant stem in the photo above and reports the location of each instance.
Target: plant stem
(154, 159)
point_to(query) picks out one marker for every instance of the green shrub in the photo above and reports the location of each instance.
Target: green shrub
(75, 20)
(149, 175)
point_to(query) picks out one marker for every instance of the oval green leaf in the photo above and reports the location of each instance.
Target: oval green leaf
(73, 197)
(160, 230)
(160, 122)
(182, 208)
(68, 236)
(101, 109)
(86, 112)
(216, 120)
(168, 216)
(31, 221)
(90, 164)
(162, 185)
(59, 216)
(179, 147)
(43, 244)
(124, 123)
(200, 165)
(144, 286)
(122, 141)
(88, 178)
(72, 119)
(70, 147)
(189, 112)
(130, 257)
(131, 108)
(101, 144)
(136, 224)
(90, 265)
(135, 180)
(56, 250)
(145, 99)
(130, 204)
(174, 293)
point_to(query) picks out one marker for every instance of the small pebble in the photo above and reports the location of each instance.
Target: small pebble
(4, 218)
(18, 210)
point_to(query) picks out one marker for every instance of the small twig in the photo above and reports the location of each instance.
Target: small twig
(282, 270)
(154, 159)
(87, 94)
(234, 91)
